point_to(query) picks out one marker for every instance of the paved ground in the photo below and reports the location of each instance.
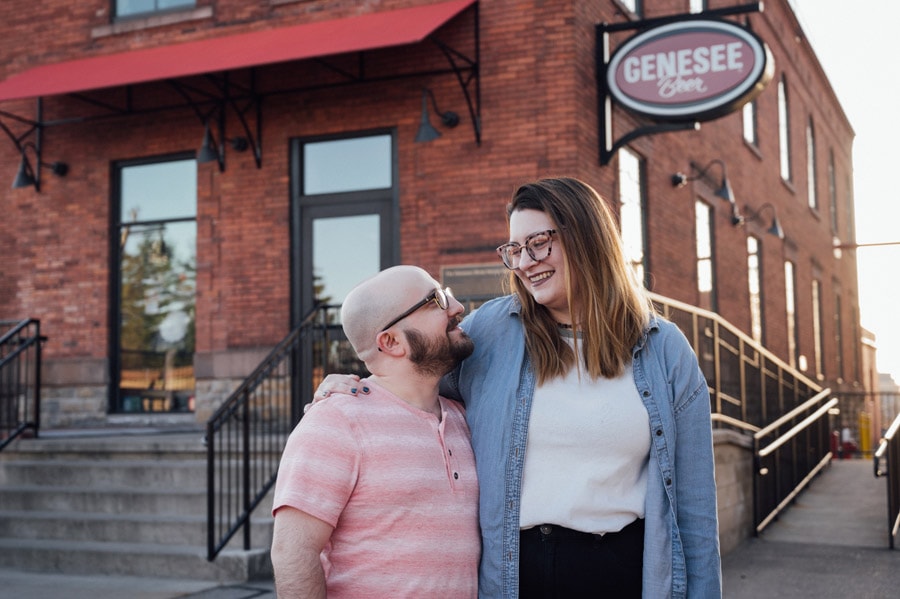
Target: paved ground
(832, 543)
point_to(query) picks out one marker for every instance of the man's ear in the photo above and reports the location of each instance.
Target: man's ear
(390, 343)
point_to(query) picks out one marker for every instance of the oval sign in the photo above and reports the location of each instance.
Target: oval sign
(690, 70)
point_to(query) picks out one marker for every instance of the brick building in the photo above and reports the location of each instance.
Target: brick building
(163, 269)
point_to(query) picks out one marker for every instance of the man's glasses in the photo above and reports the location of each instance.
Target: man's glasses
(537, 245)
(441, 297)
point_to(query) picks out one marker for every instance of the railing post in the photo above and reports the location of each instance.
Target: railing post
(245, 474)
(210, 491)
(37, 378)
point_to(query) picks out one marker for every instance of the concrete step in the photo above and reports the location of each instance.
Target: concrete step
(132, 559)
(80, 500)
(183, 474)
(127, 528)
(131, 505)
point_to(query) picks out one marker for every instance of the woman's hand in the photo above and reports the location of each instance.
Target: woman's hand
(347, 384)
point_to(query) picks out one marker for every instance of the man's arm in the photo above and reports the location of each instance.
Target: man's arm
(297, 541)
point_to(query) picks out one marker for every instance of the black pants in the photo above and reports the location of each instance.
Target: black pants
(559, 563)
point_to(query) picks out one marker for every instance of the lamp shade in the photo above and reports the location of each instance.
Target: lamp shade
(24, 177)
(427, 132)
(208, 151)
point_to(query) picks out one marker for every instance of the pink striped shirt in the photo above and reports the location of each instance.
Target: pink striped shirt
(399, 487)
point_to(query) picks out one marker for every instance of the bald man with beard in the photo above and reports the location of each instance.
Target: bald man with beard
(379, 498)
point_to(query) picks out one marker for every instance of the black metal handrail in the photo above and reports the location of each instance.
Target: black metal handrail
(758, 394)
(20, 379)
(787, 459)
(248, 431)
(889, 448)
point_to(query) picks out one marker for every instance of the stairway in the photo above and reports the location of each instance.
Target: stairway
(118, 504)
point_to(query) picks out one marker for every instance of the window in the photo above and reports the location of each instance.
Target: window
(698, 5)
(818, 339)
(849, 217)
(791, 313)
(705, 257)
(811, 166)
(131, 8)
(749, 120)
(155, 241)
(839, 335)
(754, 286)
(832, 193)
(632, 215)
(784, 128)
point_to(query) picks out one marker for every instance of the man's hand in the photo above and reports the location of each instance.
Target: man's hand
(338, 383)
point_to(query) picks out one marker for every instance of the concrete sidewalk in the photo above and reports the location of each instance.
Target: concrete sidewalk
(31, 585)
(831, 543)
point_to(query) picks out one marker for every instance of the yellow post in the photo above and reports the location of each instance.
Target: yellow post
(865, 434)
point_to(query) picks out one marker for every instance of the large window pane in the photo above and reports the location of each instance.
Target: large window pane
(344, 165)
(157, 285)
(631, 212)
(706, 272)
(346, 250)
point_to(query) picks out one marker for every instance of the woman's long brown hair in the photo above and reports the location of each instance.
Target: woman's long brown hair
(614, 308)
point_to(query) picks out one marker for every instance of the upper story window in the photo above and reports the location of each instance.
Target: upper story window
(631, 212)
(811, 166)
(832, 193)
(784, 128)
(133, 8)
(790, 298)
(818, 337)
(749, 121)
(754, 286)
(706, 266)
(698, 5)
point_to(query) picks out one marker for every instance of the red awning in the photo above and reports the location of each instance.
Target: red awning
(326, 38)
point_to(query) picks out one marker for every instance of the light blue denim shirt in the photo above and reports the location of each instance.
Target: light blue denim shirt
(681, 541)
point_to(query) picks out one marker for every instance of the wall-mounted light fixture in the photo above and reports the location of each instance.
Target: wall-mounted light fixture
(756, 215)
(210, 151)
(723, 191)
(427, 132)
(31, 177)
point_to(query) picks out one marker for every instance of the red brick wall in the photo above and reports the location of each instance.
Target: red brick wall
(539, 118)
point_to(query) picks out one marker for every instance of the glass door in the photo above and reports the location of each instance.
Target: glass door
(345, 230)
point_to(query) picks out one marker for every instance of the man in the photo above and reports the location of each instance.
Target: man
(379, 498)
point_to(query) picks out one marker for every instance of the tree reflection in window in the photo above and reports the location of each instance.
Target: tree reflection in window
(157, 288)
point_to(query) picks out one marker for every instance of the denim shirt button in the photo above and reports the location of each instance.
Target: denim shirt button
(668, 482)
(659, 432)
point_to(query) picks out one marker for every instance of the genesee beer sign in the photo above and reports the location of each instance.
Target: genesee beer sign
(692, 70)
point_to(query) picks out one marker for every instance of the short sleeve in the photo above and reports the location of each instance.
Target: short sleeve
(320, 464)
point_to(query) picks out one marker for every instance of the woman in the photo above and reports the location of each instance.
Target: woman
(590, 419)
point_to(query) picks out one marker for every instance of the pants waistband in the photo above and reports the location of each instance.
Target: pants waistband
(549, 531)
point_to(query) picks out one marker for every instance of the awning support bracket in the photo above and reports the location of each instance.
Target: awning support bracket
(466, 75)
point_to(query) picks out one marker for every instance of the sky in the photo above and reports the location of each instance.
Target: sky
(856, 46)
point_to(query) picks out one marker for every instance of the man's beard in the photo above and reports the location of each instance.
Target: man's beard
(439, 355)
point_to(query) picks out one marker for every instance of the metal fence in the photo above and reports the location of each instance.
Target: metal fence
(20, 379)
(889, 449)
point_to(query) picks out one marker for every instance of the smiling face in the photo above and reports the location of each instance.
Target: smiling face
(546, 279)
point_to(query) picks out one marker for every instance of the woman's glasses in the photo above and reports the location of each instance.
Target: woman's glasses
(537, 245)
(439, 296)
